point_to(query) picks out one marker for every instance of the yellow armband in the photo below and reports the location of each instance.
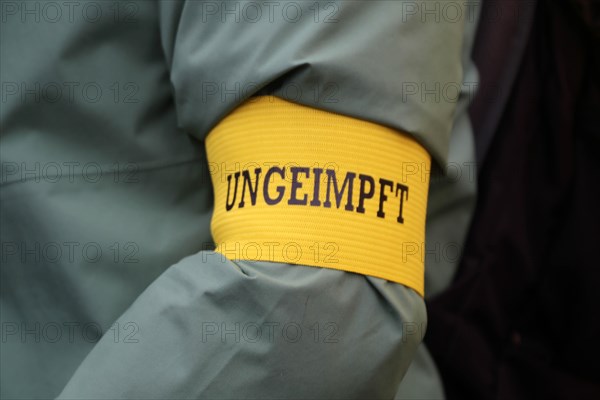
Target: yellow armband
(298, 185)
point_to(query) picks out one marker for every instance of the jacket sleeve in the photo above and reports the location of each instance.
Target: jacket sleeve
(379, 62)
(389, 62)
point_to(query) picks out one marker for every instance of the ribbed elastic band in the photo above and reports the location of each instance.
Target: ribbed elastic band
(304, 186)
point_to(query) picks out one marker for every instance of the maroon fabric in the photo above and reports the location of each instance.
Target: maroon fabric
(521, 320)
(499, 46)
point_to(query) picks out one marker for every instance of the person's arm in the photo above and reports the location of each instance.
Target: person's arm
(345, 83)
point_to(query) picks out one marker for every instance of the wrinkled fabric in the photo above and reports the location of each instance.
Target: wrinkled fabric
(105, 188)
(212, 328)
